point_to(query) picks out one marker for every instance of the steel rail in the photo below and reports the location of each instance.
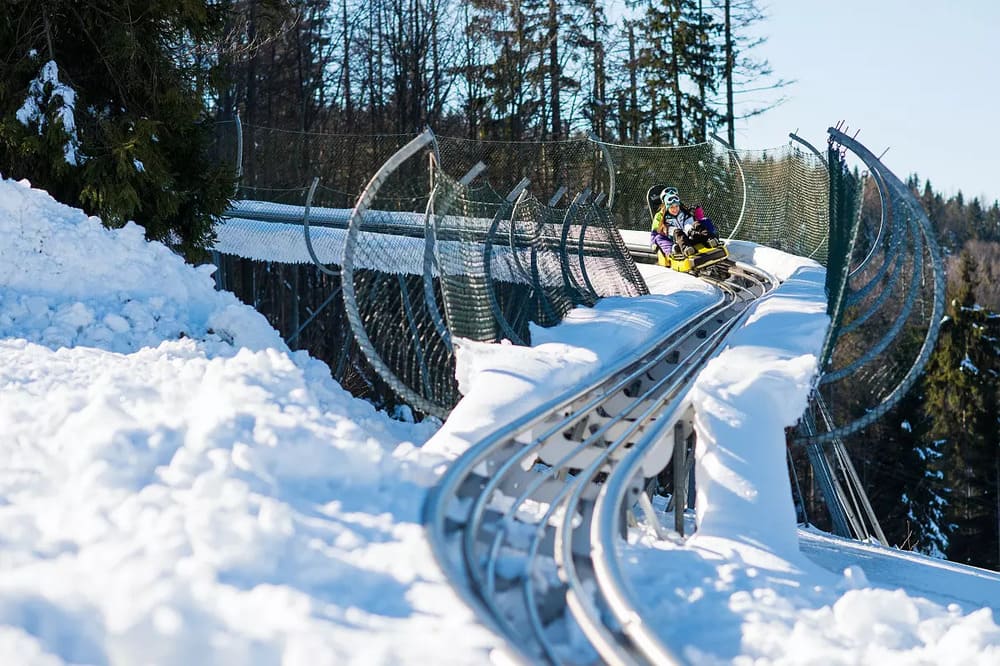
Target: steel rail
(619, 645)
(586, 603)
(471, 539)
(574, 412)
(486, 496)
(619, 487)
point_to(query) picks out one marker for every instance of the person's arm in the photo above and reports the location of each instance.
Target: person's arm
(658, 223)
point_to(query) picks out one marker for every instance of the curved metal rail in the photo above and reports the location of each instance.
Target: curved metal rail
(515, 521)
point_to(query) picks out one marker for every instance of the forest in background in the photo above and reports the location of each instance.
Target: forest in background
(932, 465)
(670, 71)
(124, 125)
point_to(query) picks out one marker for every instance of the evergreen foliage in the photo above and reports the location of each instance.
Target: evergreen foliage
(962, 394)
(901, 465)
(679, 69)
(953, 508)
(932, 466)
(139, 77)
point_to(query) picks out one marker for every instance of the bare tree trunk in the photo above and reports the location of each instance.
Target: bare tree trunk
(348, 102)
(633, 83)
(600, 101)
(730, 58)
(436, 83)
(675, 65)
(250, 103)
(517, 117)
(301, 55)
(703, 55)
(471, 89)
(555, 73)
(376, 110)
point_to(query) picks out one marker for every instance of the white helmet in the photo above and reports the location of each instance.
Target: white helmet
(669, 196)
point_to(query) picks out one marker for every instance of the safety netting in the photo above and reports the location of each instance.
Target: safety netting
(777, 197)
(474, 265)
(887, 314)
(420, 257)
(506, 264)
(554, 170)
(262, 259)
(480, 239)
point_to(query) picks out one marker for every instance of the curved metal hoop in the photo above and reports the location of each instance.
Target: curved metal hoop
(920, 219)
(350, 296)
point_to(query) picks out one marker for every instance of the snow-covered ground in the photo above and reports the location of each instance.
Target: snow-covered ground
(177, 487)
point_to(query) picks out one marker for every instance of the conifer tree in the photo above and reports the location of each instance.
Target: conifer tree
(962, 402)
(679, 68)
(924, 494)
(102, 102)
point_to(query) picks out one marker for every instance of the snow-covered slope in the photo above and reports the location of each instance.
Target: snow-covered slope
(176, 487)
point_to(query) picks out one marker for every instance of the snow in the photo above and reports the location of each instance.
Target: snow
(968, 366)
(181, 488)
(170, 497)
(32, 111)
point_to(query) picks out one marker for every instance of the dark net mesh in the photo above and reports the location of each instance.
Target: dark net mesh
(396, 325)
(427, 257)
(778, 198)
(886, 315)
(549, 165)
(462, 217)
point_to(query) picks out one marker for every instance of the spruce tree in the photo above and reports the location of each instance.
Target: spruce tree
(680, 68)
(132, 79)
(962, 403)
(924, 496)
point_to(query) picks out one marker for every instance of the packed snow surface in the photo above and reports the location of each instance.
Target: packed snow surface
(178, 487)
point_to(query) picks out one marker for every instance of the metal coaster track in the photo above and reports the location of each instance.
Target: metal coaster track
(525, 523)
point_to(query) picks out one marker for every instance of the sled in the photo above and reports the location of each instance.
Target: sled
(705, 257)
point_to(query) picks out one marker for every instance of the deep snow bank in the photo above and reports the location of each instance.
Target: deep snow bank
(177, 487)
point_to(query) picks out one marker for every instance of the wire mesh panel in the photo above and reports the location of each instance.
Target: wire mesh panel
(429, 258)
(887, 319)
(343, 162)
(605, 264)
(574, 164)
(460, 222)
(778, 197)
(396, 327)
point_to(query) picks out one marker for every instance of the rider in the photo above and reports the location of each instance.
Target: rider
(675, 223)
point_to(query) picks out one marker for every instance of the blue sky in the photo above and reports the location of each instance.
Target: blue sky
(916, 77)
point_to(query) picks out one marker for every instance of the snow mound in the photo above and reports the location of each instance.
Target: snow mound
(178, 486)
(68, 281)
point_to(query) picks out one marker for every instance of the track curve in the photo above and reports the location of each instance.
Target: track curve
(525, 522)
